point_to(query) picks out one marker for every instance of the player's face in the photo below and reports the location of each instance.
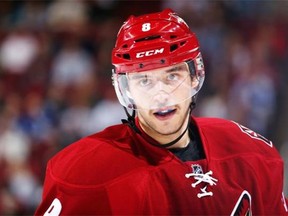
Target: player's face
(169, 121)
(162, 98)
(161, 88)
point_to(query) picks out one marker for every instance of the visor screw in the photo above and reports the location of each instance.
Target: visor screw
(141, 65)
(162, 61)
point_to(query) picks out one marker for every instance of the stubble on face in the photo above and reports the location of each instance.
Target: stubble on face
(167, 122)
(165, 131)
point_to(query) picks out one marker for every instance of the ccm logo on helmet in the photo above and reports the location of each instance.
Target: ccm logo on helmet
(149, 53)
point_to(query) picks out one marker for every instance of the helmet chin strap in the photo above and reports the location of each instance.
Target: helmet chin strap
(166, 145)
(131, 122)
(191, 107)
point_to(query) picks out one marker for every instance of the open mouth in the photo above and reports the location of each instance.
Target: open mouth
(164, 113)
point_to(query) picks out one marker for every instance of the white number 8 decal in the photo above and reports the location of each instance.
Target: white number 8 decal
(146, 27)
(54, 209)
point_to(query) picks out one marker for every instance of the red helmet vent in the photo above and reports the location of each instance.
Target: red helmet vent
(182, 43)
(173, 47)
(124, 56)
(153, 37)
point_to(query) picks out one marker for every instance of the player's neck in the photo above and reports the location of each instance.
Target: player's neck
(164, 139)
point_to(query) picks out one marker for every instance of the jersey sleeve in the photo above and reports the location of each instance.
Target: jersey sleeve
(268, 168)
(62, 198)
(268, 185)
(257, 165)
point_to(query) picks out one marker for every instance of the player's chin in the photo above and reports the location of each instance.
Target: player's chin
(168, 131)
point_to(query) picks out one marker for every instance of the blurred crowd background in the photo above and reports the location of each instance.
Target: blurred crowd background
(55, 76)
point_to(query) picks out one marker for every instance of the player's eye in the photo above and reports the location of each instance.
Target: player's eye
(144, 81)
(172, 77)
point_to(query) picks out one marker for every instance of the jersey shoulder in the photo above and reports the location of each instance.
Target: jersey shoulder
(225, 137)
(95, 159)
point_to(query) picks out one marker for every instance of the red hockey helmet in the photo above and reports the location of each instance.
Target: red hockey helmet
(150, 42)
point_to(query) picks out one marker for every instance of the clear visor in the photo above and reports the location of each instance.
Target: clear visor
(159, 88)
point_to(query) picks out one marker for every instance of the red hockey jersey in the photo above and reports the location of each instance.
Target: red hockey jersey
(118, 172)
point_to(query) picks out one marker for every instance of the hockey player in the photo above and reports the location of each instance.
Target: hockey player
(161, 160)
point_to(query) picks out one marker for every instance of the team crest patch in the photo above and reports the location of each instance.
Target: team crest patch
(196, 169)
(201, 177)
